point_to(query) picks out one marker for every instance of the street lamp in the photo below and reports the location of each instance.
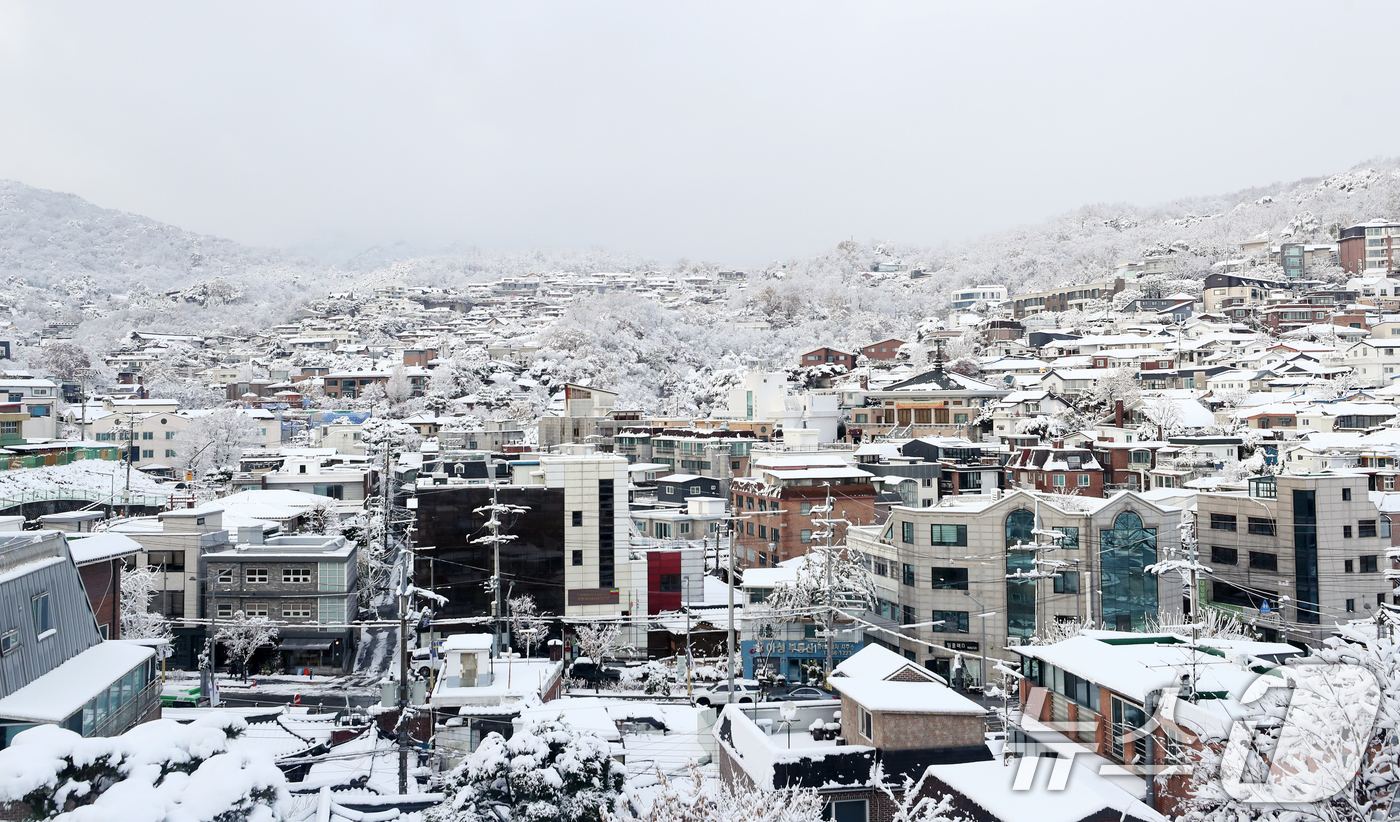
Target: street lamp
(983, 644)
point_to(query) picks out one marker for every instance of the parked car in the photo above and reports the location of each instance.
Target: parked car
(422, 664)
(807, 692)
(745, 690)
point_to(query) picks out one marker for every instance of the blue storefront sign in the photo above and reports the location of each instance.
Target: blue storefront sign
(786, 657)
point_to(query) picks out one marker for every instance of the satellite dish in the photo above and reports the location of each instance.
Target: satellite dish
(788, 711)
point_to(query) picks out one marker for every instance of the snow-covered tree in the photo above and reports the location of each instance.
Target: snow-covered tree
(321, 518)
(398, 389)
(243, 636)
(215, 440)
(834, 577)
(139, 586)
(66, 361)
(1357, 669)
(159, 770)
(694, 799)
(546, 772)
(527, 624)
(599, 640)
(1116, 384)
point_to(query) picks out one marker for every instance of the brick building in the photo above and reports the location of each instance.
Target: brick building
(1053, 468)
(882, 350)
(825, 356)
(777, 506)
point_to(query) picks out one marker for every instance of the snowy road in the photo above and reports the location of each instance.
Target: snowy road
(376, 656)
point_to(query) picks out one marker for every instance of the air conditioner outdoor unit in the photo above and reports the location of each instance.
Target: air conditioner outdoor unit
(1013, 641)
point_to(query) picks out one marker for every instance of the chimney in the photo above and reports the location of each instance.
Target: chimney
(1118, 413)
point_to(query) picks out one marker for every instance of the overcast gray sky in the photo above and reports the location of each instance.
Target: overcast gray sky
(736, 132)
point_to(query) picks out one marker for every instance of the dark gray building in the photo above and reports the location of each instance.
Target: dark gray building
(307, 583)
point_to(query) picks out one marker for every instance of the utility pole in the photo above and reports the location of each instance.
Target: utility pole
(733, 656)
(133, 449)
(402, 734)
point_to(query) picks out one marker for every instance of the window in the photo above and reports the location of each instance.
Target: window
(296, 575)
(805, 535)
(148, 435)
(1351, 605)
(763, 532)
(1224, 556)
(806, 508)
(147, 453)
(867, 724)
(1348, 566)
(169, 452)
(748, 527)
(954, 622)
(908, 574)
(223, 576)
(1222, 522)
(1346, 532)
(909, 617)
(166, 560)
(881, 568)
(1059, 481)
(906, 531)
(1262, 561)
(9, 641)
(670, 583)
(1368, 564)
(1346, 495)
(1071, 540)
(252, 575)
(578, 519)
(670, 489)
(170, 435)
(300, 610)
(1083, 480)
(949, 579)
(256, 609)
(1366, 528)
(1262, 526)
(42, 614)
(1067, 582)
(578, 558)
(948, 534)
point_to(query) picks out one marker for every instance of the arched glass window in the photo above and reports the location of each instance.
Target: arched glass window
(1020, 594)
(1129, 592)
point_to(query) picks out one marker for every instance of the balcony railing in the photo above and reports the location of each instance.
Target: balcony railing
(124, 717)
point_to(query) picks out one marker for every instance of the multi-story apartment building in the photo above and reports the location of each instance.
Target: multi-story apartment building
(1064, 299)
(307, 583)
(968, 297)
(777, 507)
(145, 438)
(960, 564)
(1316, 540)
(1370, 248)
(1224, 292)
(570, 549)
(28, 407)
(938, 403)
(173, 543)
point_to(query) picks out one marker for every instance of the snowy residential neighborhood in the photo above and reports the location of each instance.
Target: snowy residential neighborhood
(430, 501)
